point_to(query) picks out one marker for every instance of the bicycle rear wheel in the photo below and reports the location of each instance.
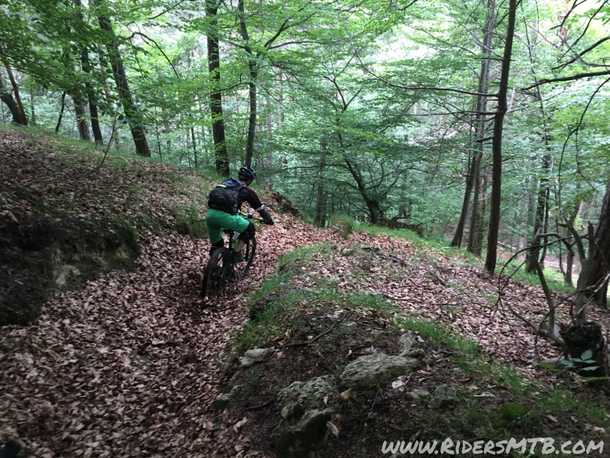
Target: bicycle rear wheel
(249, 252)
(216, 273)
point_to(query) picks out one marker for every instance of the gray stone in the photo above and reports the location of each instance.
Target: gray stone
(222, 401)
(410, 343)
(444, 396)
(256, 355)
(416, 395)
(313, 394)
(297, 439)
(374, 370)
(306, 408)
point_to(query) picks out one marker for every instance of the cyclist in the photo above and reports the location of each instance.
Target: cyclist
(219, 217)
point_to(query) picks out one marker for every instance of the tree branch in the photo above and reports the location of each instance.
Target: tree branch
(578, 76)
(582, 53)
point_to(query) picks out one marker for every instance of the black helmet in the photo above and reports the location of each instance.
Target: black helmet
(246, 173)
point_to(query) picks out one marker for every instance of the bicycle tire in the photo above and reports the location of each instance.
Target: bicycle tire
(249, 252)
(215, 274)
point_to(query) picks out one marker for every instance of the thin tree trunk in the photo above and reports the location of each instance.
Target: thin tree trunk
(478, 231)
(194, 148)
(570, 247)
(32, 108)
(459, 230)
(93, 112)
(600, 257)
(569, 267)
(81, 118)
(480, 125)
(252, 96)
(320, 210)
(118, 69)
(496, 192)
(270, 154)
(545, 228)
(476, 201)
(23, 120)
(218, 126)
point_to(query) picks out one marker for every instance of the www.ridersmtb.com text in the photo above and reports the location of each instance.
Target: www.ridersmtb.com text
(544, 445)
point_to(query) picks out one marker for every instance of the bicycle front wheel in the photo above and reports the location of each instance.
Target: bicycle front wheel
(249, 251)
(215, 274)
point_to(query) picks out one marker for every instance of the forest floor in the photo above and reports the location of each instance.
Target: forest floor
(129, 363)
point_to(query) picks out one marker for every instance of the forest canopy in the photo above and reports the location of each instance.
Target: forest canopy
(479, 123)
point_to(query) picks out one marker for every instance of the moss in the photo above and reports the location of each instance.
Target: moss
(511, 411)
(189, 222)
(342, 225)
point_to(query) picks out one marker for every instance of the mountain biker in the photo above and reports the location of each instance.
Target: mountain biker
(218, 217)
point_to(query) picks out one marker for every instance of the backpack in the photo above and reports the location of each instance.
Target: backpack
(224, 196)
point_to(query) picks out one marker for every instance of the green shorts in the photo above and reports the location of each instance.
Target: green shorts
(217, 220)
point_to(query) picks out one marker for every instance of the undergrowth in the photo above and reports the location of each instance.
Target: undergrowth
(460, 256)
(509, 405)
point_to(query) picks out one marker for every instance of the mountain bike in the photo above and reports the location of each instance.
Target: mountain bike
(222, 266)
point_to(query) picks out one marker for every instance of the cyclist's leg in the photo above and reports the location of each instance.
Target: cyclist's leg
(213, 219)
(244, 236)
(238, 224)
(221, 219)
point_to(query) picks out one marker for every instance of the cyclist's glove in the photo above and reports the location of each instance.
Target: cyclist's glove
(266, 216)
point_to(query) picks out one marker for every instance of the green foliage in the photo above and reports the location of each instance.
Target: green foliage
(517, 271)
(511, 412)
(369, 119)
(585, 358)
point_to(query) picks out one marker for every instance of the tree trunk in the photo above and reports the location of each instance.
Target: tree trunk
(569, 266)
(7, 98)
(587, 336)
(496, 192)
(118, 69)
(95, 123)
(372, 204)
(320, 211)
(21, 119)
(600, 256)
(61, 112)
(196, 162)
(475, 245)
(32, 107)
(270, 154)
(93, 112)
(541, 210)
(459, 230)
(481, 107)
(253, 68)
(81, 118)
(218, 126)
